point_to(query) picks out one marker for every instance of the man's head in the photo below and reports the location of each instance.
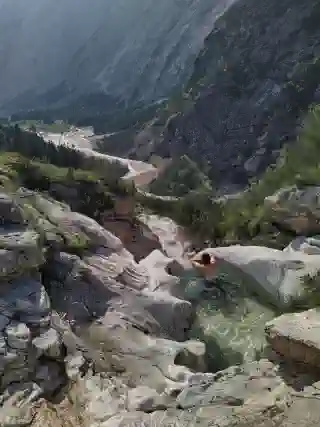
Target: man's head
(206, 259)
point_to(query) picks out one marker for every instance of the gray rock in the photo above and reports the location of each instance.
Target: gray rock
(163, 271)
(193, 356)
(49, 377)
(20, 251)
(105, 403)
(135, 276)
(18, 336)
(147, 360)
(17, 407)
(4, 321)
(233, 386)
(276, 275)
(48, 344)
(29, 300)
(3, 345)
(73, 364)
(296, 336)
(145, 399)
(10, 212)
(126, 419)
(173, 314)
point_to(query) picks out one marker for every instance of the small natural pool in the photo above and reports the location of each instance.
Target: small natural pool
(231, 323)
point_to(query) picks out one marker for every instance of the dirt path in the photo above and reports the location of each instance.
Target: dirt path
(140, 173)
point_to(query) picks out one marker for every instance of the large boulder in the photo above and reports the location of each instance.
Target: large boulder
(146, 360)
(273, 274)
(296, 209)
(163, 271)
(296, 336)
(172, 237)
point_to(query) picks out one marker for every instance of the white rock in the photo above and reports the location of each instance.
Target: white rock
(73, 364)
(18, 336)
(48, 343)
(274, 274)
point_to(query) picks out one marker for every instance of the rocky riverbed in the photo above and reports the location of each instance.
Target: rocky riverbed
(91, 337)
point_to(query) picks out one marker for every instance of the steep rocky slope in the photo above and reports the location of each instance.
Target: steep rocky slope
(250, 87)
(52, 54)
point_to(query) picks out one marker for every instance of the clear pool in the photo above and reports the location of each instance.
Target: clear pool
(231, 323)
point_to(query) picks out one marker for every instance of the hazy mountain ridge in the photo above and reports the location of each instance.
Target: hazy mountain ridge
(136, 50)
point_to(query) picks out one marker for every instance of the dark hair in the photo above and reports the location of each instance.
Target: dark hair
(206, 259)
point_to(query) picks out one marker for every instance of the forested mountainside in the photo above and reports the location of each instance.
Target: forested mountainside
(78, 52)
(251, 86)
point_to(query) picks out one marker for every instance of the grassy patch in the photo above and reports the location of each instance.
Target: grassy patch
(179, 178)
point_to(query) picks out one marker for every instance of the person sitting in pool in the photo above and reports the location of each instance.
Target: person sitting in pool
(206, 266)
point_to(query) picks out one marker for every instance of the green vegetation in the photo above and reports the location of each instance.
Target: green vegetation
(311, 293)
(86, 184)
(179, 178)
(246, 219)
(38, 125)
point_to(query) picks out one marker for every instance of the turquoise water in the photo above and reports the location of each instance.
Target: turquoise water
(231, 323)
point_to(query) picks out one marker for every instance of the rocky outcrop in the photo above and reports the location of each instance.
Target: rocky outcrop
(296, 336)
(278, 275)
(91, 337)
(88, 275)
(173, 239)
(296, 209)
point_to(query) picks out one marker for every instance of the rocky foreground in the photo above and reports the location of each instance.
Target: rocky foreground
(92, 336)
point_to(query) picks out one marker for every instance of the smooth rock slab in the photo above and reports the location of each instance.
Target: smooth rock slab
(273, 274)
(296, 336)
